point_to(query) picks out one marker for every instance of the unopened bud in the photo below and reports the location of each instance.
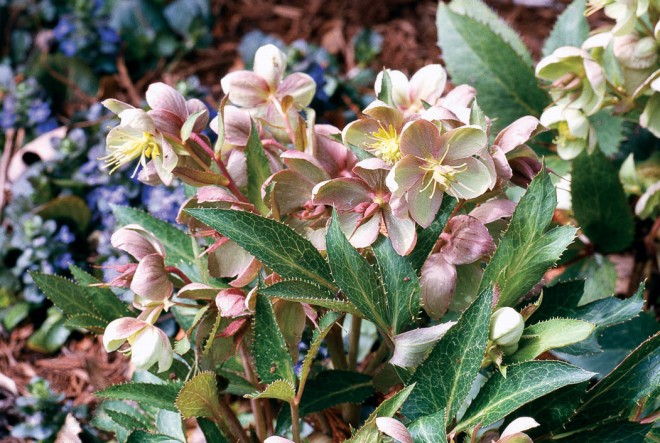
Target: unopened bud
(506, 327)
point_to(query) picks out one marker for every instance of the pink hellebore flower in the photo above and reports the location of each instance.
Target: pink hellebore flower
(149, 278)
(363, 205)
(263, 90)
(513, 159)
(426, 85)
(148, 344)
(464, 241)
(379, 133)
(434, 164)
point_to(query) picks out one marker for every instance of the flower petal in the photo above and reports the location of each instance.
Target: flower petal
(467, 240)
(401, 231)
(300, 86)
(428, 84)
(438, 281)
(342, 193)
(472, 182)
(394, 428)
(119, 330)
(137, 241)
(269, 64)
(151, 280)
(518, 133)
(164, 97)
(246, 89)
(365, 234)
(423, 202)
(421, 139)
(405, 174)
(493, 210)
(373, 171)
(463, 142)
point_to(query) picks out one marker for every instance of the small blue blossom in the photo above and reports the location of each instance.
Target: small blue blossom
(39, 112)
(163, 202)
(63, 28)
(64, 235)
(63, 261)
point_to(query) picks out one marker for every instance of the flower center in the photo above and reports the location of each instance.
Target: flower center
(134, 147)
(440, 176)
(563, 134)
(386, 144)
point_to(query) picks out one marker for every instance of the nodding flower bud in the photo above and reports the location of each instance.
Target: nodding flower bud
(506, 327)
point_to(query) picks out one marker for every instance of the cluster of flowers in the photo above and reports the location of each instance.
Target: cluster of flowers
(617, 68)
(386, 173)
(24, 103)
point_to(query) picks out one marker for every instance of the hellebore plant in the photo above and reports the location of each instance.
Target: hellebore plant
(426, 230)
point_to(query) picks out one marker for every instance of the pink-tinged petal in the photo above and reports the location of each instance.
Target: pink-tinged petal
(305, 165)
(269, 64)
(231, 302)
(246, 89)
(151, 280)
(247, 275)
(116, 106)
(467, 240)
(149, 176)
(195, 105)
(394, 428)
(421, 139)
(237, 126)
(385, 115)
(359, 133)
(237, 167)
(166, 122)
(212, 194)
(118, 331)
(458, 101)
(493, 210)
(137, 241)
(276, 439)
(151, 346)
(165, 176)
(359, 236)
(405, 174)
(168, 155)
(487, 159)
(437, 282)
(424, 201)
(300, 86)
(401, 231)
(164, 97)
(518, 133)
(524, 169)
(463, 142)
(336, 159)
(373, 171)
(400, 86)
(229, 260)
(440, 113)
(137, 120)
(502, 168)
(198, 291)
(520, 424)
(342, 193)
(290, 191)
(428, 84)
(412, 347)
(472, 182)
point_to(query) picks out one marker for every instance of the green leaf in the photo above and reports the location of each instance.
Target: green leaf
(475, 54)
(553, 410)
(429, 428)
(524, 382)
(571, 28)
(279, 389)
(66, 295)
(609, 131)
(326, 322)
(479, 11)
(258, 170)
(357, 279)
(68, 207)
(308, 292)
(129, 421)
(385, 94)
(140, 436)
(427, 238)
(616, 343)
(599, 203)
(616, 395)
(148, 394)
(170, 423)
(550, 334)
(211, 432)
(199, 397)
(103, 421)
(51, 335)
(189, 124)
(104, 299)
(400, 283)
(176, 242)
(621, 432)
(600, 278)
(271, 354)
(526, 250)
(369, 432)
(276, 245)
(444, 380)
(331, 388)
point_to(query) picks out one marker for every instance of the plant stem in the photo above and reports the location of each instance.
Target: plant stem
(376, 359)
(295, 420)
(178, 272)
(257, 410)
(227, 415)
(223, 169)
(354, 342)
(335, 344)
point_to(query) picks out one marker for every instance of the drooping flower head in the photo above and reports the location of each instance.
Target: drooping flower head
(435, 164)
(574, 132)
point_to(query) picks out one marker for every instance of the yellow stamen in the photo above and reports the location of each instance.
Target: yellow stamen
(386, 144)
(133, 148)
(442, 176)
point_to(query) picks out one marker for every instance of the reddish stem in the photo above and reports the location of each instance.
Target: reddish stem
(176, 271)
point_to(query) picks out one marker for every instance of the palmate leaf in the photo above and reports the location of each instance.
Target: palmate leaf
(600, 204)
(526, 250)
(271, 355)
(524, 382)
(276, 245)
(357, 279)
(477, 55)
(444, 379)
(429, 428)
(616, 395)
(279, 389)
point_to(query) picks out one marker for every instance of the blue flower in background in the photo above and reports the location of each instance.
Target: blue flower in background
(64, 235)
(163, 202)
(63, 28)
(38, 112)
